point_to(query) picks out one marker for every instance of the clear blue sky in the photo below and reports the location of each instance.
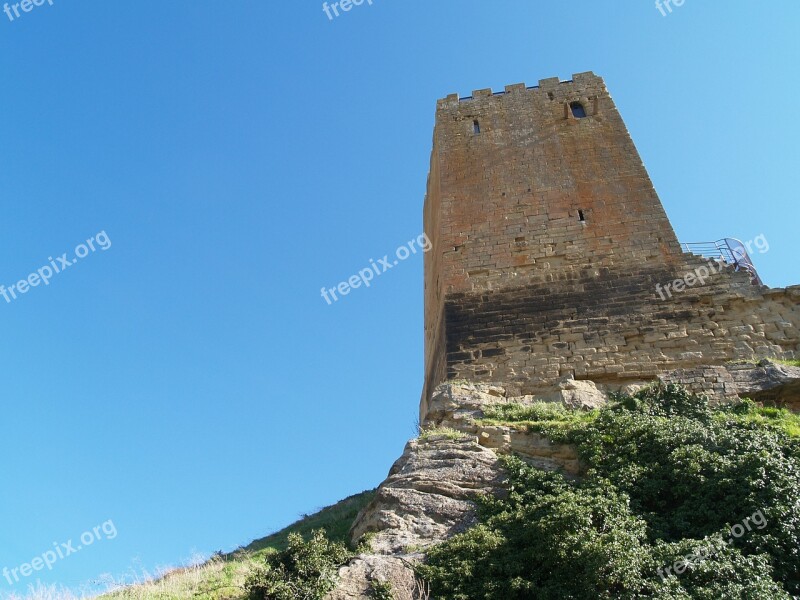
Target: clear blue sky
(189, 383)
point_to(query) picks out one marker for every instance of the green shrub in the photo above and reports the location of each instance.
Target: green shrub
(780, 418)
(381, 590)
(667, 473)
(305, 570)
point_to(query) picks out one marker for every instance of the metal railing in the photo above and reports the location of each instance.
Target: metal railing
(728, 250)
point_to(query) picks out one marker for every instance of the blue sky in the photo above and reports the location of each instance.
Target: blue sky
(189, 383)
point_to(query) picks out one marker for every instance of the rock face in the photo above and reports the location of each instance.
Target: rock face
(356, 580)
(459, 406)
(768, 382)
(428, 495)
(427, 498)
(773, 384)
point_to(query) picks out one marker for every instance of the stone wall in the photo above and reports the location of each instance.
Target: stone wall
(548, 244)
(613, 326)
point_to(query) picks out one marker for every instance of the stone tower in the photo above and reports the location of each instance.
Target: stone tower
(549, 242)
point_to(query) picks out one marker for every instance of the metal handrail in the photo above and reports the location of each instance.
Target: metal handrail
(727, 250)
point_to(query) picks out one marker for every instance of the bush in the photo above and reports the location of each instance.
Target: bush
(303, 571)
(667, 475)
(381, 590)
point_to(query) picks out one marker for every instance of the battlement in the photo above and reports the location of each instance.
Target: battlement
(545, 85)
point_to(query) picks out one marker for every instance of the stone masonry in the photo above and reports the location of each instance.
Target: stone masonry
(548, 243)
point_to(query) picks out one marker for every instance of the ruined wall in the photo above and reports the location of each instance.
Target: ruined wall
(548, 242)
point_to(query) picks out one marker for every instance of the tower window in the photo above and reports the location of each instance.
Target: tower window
(581, 216)
(578, 111)
(476, 127)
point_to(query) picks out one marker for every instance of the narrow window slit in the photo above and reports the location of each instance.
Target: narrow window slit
(581, 216)
(578, 111)
(476, 127)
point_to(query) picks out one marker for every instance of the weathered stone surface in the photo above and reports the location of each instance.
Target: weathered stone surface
(428, 495)
(715, 382)
(460, 403)
(582, 395)
(767, 382)
(355, 579)
(460, 406)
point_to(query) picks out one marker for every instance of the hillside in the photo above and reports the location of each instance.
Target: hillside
(511, 497)
(222, 577)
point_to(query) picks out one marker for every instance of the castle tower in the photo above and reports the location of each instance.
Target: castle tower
(548, 243)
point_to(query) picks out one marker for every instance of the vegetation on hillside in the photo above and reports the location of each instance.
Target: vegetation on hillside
(681, 501)
(225, 576)
(335, 520)
(305, 570)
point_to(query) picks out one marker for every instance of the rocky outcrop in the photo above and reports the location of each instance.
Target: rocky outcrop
(430, 492)
(461, 406)
(428, 496)
(358, 578)
(768, 382)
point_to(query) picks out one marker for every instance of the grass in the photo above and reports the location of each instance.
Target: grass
(539, 416)
(555, 420)
(216, 579)
(335, 520)
(780, 418)
(222, 577)
(447, 432)
(792, 362)
(789, 363)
